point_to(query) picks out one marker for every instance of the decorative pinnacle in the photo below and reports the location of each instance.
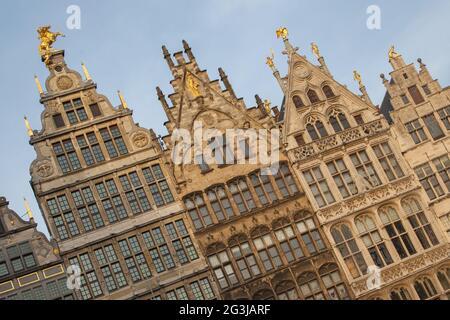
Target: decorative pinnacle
(167, 57)
(122, 100)
(27, 208)
(85, 71)
(28, 126)
(38, 84)
(188, 50)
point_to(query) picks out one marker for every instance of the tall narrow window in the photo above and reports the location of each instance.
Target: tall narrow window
(223, 269)
(95, 110)
(134, 259)
(90, 148)
(66, 156)
(318, 186)
(110, 267)
(444, 114)
(312, 96)
(342, 178)
(111, 201)
(415, 94)
(415, 129)
(87, 209)
(328, 91)
(433, 126)
(289, 243)
(388, 161)
(397, 232)
(63, 217)
(298, 102)
(198, 211)
(310, 286)
(309, 232)
(285, 181)
(429, 181)
(425, 288)
(339, 122)
(181, 242)
(75, 111)
(263, 188)
(372, 239)
(58, 120)
(419, 222)
(241, 195)
(332, 280)
(442, 165)
(158, 185)
(443, 276)
(267, 251)
(134, 193)
(113, 140)
(244, 257)
(349, 250)
(220, 203)
(90, 286)
(365, 169)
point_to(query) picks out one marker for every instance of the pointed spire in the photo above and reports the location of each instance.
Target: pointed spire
(224, 78)
(167, 57)
(38, 85)
(276, 73)
(362, 88)
(188, 51)
(28, 209)
(28, 126)
(165, 105)
(122, 100)
(85, 71)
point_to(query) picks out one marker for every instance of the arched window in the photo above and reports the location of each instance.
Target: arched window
(309, 232)
(397, 232)
(220, 203)
(310, 286)
(443, 276)
(264, 294)
(298, 102)
(371, 237)
(339, 122)
(244, 257)
(263, 187)
(285, 181)
(419, 222)
(400, 294)
(332, 280)
(317, 130)
(198, 211)
(221, 264)
(349, 250)
(267, 250)
(286, 291)
(328, 91)
(425, 288)
(312, 96)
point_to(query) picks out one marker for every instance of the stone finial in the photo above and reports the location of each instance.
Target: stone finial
(28, 126)
(85, 71)
(224, 78)
(422, 65)
(188, 51)
(38, 85)
(164, 104)
(167, 57)
(258, 99)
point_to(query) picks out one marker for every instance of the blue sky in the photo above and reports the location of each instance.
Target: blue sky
(120, 42)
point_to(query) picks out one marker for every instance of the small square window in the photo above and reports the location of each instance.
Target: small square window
(405, 99)
(359, 119)
(58, 120)
(95, 110)
(426, 89)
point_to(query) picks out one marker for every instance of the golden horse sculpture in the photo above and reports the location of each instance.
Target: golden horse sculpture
(47, 39)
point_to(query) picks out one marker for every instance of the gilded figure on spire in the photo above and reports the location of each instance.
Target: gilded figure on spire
(47, 39)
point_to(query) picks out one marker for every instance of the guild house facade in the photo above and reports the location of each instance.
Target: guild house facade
(354, 206)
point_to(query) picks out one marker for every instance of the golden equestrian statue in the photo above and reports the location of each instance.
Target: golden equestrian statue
(47, 38)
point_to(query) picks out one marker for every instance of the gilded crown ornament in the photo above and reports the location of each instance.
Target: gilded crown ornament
(282, 32)
(47, 39)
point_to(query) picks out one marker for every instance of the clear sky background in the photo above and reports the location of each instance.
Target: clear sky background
(120, 42)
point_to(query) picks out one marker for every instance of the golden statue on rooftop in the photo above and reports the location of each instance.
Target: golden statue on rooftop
(315, 50)
(269, 60)
(282, 32)
(392, 53)
(47, 38)
(357, 78)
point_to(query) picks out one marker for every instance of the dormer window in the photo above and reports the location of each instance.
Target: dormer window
(75, 111)
(312, 96)
(298, 102)
(328, 92)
